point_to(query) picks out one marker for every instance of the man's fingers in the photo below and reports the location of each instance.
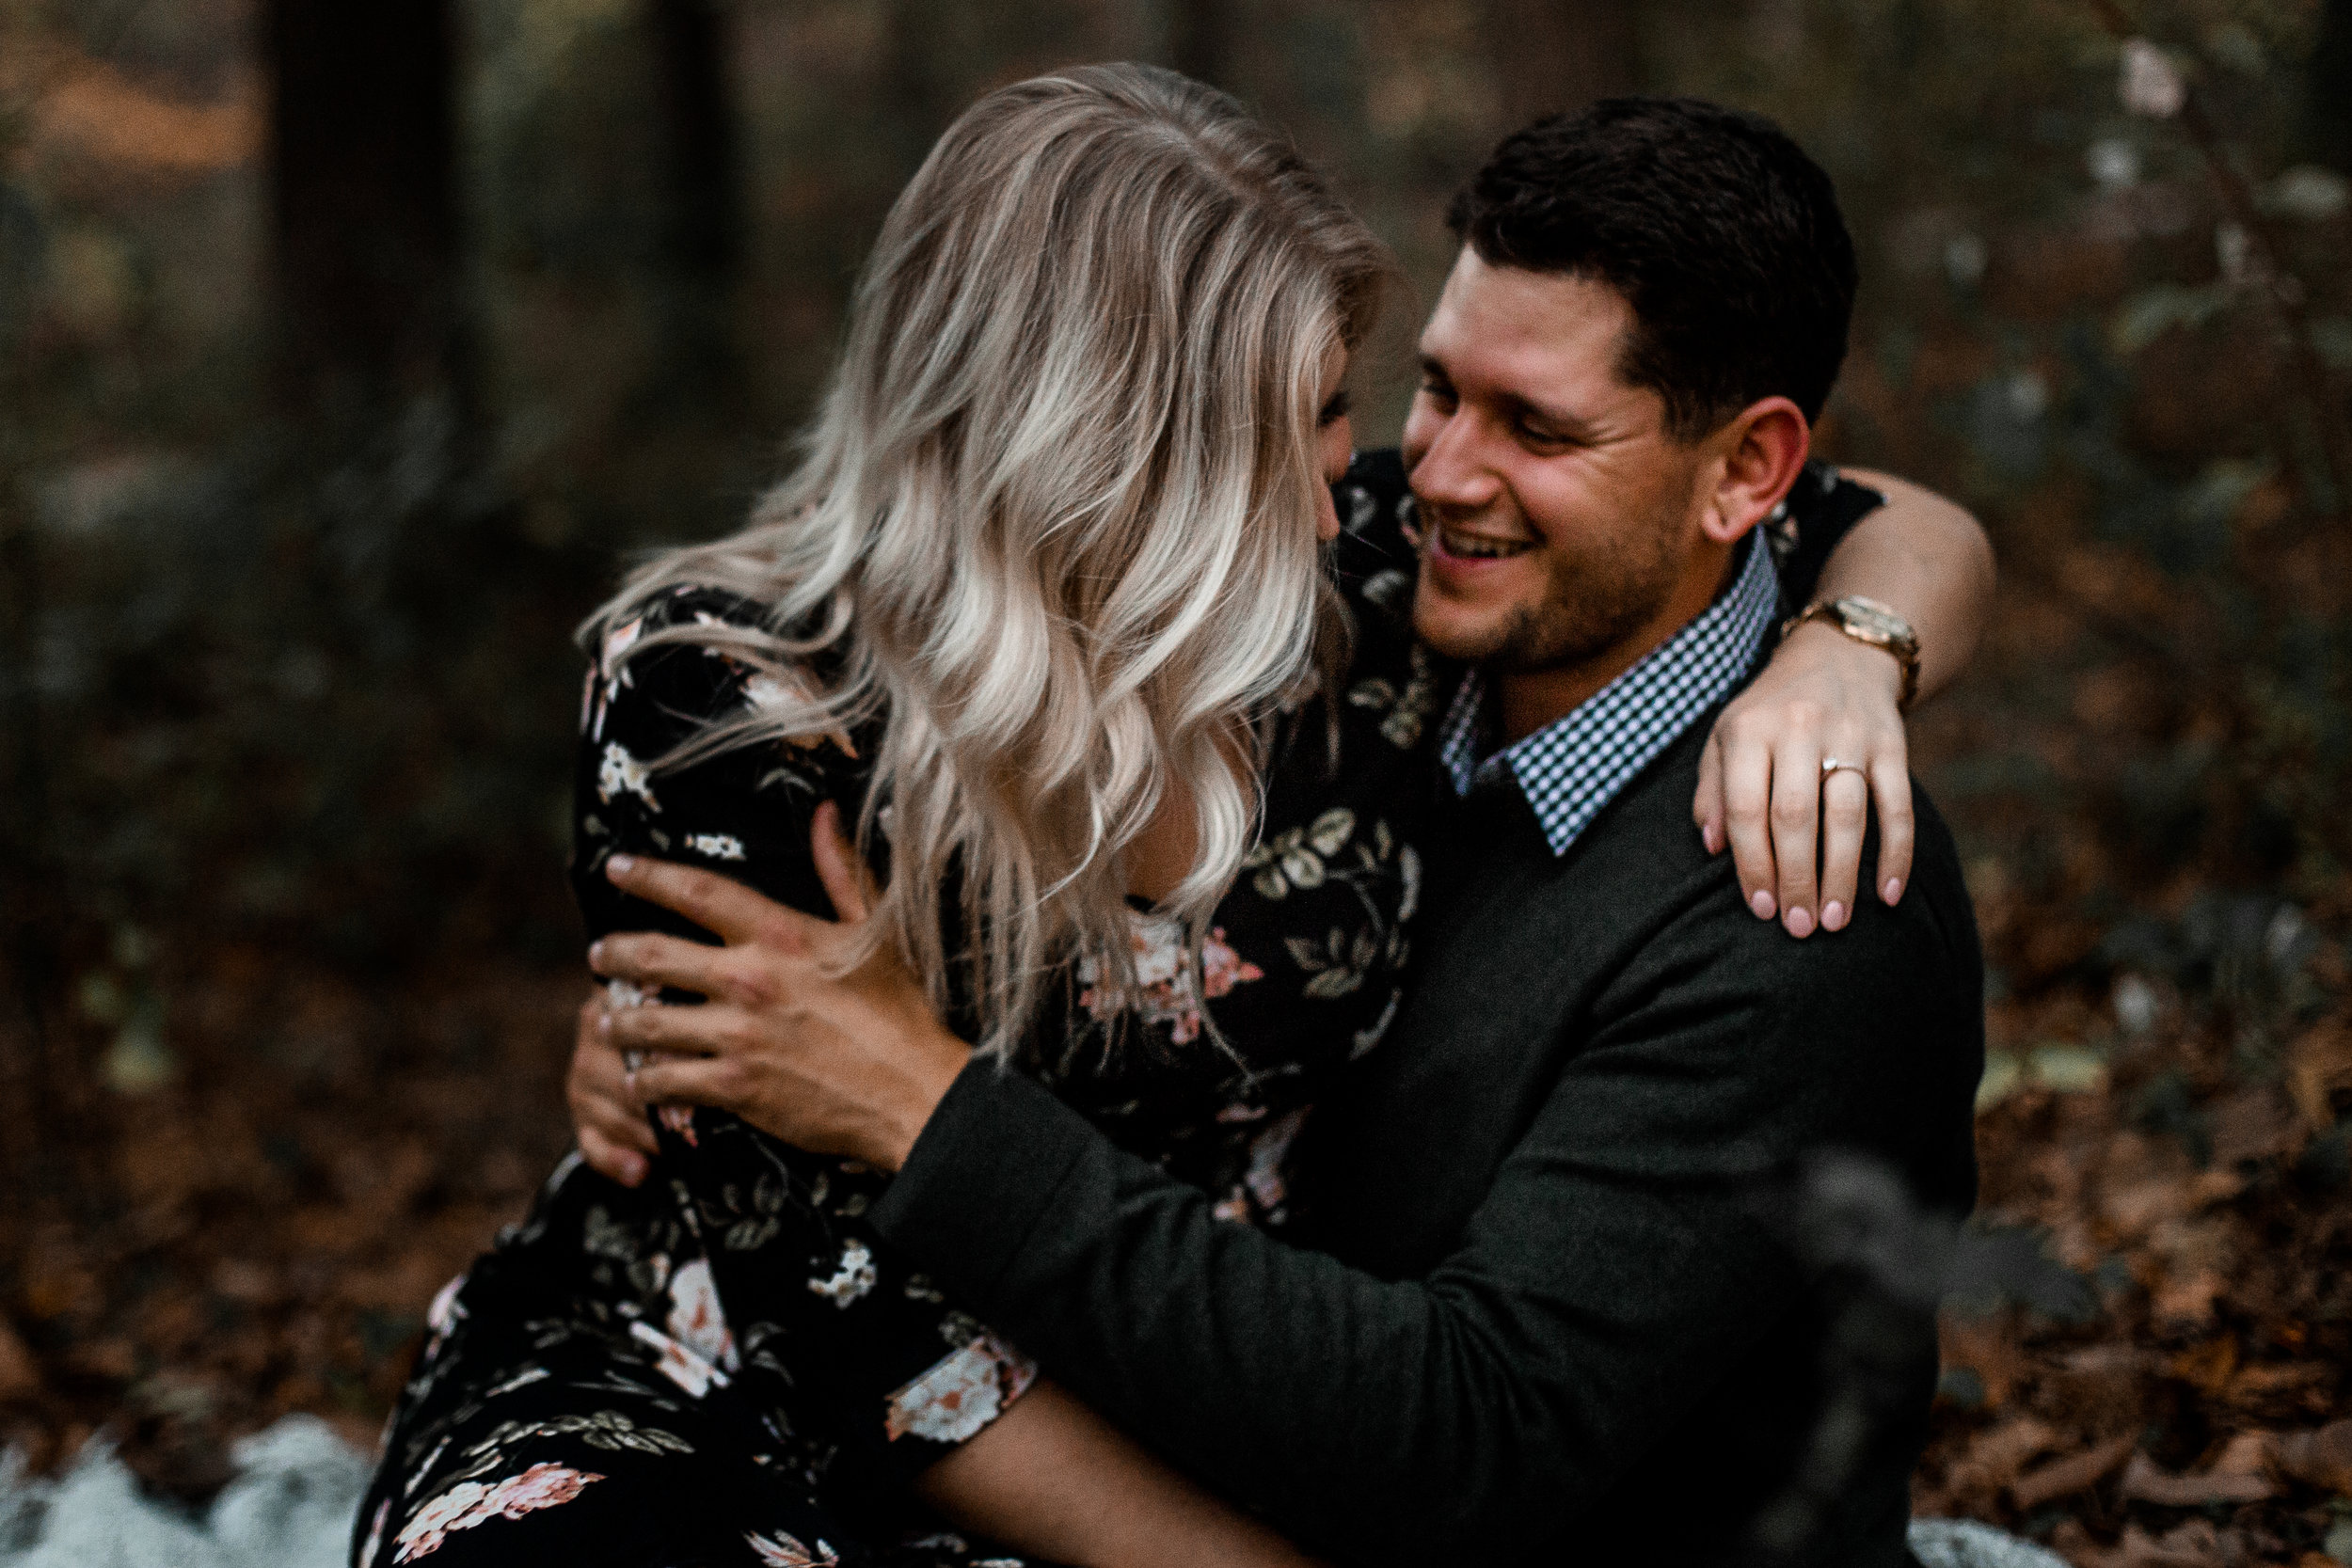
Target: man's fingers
(706, 1081)
(621, 1164)
(1796, 815)
(648, 959)
(707, 1031)
(847, 882)
(1706, 806)
(715, 903)
(1747, 803)
(1890, 783)
(1845, 817)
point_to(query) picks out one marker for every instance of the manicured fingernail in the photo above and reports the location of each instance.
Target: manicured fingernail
(1800, 923)
(604, 1023)
(1761, 902)
(620, 866)
(596, 950)
(632, 1170)
(1832, 916)
(1708, 836)
(1894, 888)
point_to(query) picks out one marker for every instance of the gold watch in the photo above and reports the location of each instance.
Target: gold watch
(1870, 621)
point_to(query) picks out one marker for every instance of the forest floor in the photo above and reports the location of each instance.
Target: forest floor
(261, 1233)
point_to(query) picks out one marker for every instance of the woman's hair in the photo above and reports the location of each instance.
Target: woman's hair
(1053, 520)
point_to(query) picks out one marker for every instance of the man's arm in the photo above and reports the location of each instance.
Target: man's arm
(1613, 1273)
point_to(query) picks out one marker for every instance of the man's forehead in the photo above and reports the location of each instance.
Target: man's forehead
(1528, 332)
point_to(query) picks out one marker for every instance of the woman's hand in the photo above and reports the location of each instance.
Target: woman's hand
(1762, 790)
(837, 1061)
(607, 1115)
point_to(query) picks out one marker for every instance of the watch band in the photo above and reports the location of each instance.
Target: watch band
(1874, 624)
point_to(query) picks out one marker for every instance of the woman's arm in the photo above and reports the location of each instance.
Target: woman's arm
(1052, 1478)
(1047, 1477)
(1824, 695)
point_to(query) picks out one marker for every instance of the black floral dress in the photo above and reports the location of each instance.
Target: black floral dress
(725, 1364)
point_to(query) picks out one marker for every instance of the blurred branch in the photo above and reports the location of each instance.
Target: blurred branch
(1555, 57)
(363, 173)
(2284, 290)
(1200, 39)
(2327, 100)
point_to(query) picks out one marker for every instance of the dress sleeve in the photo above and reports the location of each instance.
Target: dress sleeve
(744, 811)
(831, 1322)
(1821, 509)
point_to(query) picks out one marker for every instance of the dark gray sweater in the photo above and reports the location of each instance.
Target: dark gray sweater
(1552, 1318)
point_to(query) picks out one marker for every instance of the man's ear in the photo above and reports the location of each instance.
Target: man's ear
(1759, 454)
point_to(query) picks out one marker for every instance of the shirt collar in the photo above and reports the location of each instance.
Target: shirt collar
(1572, 768)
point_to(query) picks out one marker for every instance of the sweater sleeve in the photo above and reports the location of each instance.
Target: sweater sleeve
(1613, 1273)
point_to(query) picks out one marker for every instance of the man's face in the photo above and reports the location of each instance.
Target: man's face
(1557, 515)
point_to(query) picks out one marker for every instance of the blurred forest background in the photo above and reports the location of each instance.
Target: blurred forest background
(348, 346)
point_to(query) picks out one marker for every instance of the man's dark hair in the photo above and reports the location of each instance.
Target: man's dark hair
(1716, 228)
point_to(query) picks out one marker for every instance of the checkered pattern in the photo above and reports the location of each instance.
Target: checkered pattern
(1570, 769)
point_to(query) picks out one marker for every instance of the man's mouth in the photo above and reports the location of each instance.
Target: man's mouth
(1480, 546)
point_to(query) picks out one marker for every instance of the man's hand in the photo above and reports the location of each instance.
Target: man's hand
(837, 1060)
(1761, 787)
(608, 1117)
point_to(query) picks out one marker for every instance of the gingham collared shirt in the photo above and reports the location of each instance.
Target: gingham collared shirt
(1572, 768)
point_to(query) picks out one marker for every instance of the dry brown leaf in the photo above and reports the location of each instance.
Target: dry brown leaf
(2319, 1067)
(2195, 1544)
(2321, 1458)
(2253, 1125)
(19, 1374)
(2187, 1302)
(2143, 1481)
(2078, 1472)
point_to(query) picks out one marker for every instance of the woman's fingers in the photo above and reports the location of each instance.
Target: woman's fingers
(1890, 782)
(648, 959)
(1845, 818)
(1706, 806)
(1796, 814)
(715, 903)
(847, 881)
(1747, 773)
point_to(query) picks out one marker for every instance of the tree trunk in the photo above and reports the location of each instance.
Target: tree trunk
(702, 220)
(703, 229)
(2327, 101)
(1558, 55)
(363, 177)
(1200, 40)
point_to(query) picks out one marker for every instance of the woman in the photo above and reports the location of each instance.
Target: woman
(1037, 613)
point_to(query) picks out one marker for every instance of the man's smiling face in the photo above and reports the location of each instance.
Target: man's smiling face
(1559, 517)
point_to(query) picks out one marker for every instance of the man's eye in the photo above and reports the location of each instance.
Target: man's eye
(1436, 391)
(1536, 435)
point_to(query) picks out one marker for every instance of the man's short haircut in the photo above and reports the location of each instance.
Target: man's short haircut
(1724, 237)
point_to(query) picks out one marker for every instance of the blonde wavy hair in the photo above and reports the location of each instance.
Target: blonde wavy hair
(1053, 520)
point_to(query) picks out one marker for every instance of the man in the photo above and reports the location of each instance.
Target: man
(1549, 1313)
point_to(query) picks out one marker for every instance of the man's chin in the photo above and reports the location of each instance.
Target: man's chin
(1465, 639)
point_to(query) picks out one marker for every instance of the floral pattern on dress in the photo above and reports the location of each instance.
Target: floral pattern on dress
(1165, 994)
(471, 1503)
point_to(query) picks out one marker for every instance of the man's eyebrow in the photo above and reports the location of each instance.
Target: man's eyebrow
(1569, 426)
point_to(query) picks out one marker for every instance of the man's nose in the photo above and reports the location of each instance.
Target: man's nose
(1453, 471)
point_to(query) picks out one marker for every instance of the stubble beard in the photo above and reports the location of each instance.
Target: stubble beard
(1590, 604)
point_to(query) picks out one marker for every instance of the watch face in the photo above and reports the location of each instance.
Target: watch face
(1873, 620)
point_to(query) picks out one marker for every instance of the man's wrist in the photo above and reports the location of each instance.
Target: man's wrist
(932, 1065)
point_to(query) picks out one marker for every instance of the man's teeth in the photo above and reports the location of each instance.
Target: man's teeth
(1479, 548)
